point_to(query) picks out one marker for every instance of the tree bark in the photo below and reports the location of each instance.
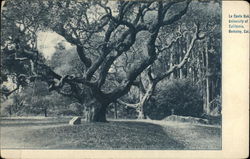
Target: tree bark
(115, 111)
(207, 82)
(10, 112)
(96, 112)
(144, 99)
(171, 65)
(45, 112)
(207, 97)
(141, 114)
(140, 110)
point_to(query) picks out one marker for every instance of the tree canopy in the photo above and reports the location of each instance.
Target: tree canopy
(116, 42)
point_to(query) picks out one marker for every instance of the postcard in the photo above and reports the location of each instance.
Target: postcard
(124, 79)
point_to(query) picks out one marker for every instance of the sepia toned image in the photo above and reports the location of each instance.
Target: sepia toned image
(111, 75)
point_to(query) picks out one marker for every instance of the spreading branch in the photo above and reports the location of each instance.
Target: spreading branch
(87, 61)
(154, 81)
(128, 104)
(185, 58)
(177, 16)
(151, 50)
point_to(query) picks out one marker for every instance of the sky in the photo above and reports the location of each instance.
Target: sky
(47, 41)
(46, 44)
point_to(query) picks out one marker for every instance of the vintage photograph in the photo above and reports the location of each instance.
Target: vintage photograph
(111, 74)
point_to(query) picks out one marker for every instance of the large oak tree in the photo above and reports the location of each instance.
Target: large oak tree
(101, 31)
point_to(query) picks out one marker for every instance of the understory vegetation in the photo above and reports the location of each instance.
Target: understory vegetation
(173, 97)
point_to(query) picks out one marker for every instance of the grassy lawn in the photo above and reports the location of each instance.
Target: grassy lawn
(55, 133)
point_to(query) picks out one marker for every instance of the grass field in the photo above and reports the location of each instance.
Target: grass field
(56, 133)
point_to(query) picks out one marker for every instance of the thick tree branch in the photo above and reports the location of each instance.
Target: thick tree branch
(63, 32)
(8, 93)
(161, 49)
(21, 81)
(151, 49)
(140, 13)
(177, 16)
(87, 61)
(128, 104)
(45, 73)
(121, 48)
(149, 73)
(106, 49)
(105, 68)
(185, 58)
(126, 84)
(120, 45)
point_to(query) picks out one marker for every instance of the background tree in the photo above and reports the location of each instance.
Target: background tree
(205, 67)
(210, 26)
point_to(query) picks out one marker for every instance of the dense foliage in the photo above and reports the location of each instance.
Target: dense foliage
(175, 97)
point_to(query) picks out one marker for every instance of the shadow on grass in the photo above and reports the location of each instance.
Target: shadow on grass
(121, 135)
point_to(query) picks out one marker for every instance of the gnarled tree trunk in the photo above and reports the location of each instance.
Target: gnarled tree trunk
(96, 111)
(96, 114)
